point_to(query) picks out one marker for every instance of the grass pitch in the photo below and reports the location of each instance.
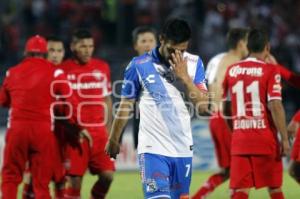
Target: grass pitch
(127, 185)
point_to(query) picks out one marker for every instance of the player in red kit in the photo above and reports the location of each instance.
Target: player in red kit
(30, 90)
(254, 88)
(55, 55)
(90, 79)
(294, 131)
(220, 132)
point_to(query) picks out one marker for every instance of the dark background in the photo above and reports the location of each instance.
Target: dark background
(111, 23)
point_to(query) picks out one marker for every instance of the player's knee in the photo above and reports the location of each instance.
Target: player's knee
(274, 190)
(106, 177)
(75, 182)
(226, 173)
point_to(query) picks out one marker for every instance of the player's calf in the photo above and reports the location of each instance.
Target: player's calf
(276, 193)
(102, 185)
(240, 194)
(294, 170)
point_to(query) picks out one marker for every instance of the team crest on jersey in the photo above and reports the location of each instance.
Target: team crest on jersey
(97, 74)
(151, 186)
(277, 78)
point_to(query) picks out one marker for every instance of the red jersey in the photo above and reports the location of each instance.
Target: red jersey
(296, 117)
(291, 78)
(251, 84)
(31, 88)
(91, 83)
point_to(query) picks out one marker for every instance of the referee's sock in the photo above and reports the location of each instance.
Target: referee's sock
(277, 195)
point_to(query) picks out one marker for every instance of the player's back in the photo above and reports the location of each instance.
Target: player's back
(251, 84)
(29, 87)
(215, 74)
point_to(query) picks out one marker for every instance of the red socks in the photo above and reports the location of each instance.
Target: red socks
(239, 195)
(277, 195)
(209, 186)
(71, 193)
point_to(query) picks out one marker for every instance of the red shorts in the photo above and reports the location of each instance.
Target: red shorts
(221, 136)
(295, 154)
(33, 142)
(255, 171)
(95, 159)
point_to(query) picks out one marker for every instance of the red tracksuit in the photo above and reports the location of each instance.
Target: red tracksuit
(29, 90)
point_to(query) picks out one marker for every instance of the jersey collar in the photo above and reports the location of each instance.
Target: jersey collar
(157, 58)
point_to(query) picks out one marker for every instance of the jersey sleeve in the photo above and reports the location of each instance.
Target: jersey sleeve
(289, 76)
(274, 85)
(131, 84)
(199, 79)
(4, 94)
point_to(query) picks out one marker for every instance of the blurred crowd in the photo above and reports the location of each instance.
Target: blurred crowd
(111, 23)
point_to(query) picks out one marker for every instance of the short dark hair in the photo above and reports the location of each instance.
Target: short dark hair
(141, 30)
(234, 35)
(81, 34)
(54, 38)
(176, 30)
(257, 40)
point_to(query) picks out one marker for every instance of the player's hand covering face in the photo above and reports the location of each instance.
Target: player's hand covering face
(112, 148)
(83, 49)
(168, 48)
(179, 65)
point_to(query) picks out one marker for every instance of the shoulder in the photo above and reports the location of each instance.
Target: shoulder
(99, 61)
(67, 65)
(192, 58)
(216, 59)
(140, 62)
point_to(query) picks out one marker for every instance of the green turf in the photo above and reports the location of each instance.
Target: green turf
(127, 185)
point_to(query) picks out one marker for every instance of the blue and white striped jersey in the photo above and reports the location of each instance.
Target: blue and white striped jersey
(165, 127)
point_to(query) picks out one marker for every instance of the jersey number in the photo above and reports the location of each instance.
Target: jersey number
(188, 168)
(253, 89)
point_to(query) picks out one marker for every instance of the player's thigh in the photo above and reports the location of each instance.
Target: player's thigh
(155, 173)
(181, 177)
(15, 152)
(221, 137)
(42, 152)
(77, 158)
(241, 172)
(99, 162)
(267, 171)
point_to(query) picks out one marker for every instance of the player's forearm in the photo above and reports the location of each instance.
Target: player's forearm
(198, 97)
(121, 119)
(278, 116)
